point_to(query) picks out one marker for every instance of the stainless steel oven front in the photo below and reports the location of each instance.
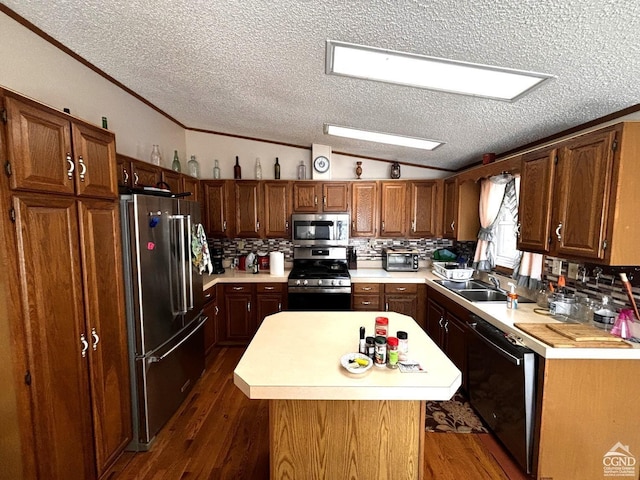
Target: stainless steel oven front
(320, 229)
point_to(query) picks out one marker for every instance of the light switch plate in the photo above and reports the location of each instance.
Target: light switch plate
(556, 269)
(572, 271)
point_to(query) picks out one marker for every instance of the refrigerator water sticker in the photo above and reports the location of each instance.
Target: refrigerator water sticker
(154, 221)
(151, 245)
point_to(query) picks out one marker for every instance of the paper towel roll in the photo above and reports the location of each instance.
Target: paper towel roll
(276, 263)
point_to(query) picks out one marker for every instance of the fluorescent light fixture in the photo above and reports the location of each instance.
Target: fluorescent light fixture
(430, 72)
(390, 138)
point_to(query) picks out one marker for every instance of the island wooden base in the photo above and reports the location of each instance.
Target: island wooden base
(346, 439)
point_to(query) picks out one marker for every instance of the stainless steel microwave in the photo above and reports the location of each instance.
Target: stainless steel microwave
(320, 229)
(399, 260)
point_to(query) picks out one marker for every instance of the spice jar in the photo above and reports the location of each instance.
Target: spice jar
(392, 352)
(380, 356)
(382, 326)
(403, 346)
(370, 347)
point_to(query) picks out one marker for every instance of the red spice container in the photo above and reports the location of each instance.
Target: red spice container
(382, 327)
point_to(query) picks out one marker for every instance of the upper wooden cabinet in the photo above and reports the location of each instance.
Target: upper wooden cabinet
(172, 179)
(592, 212)
(364, 211)
(461, 218)
(248, 209)
(315, 197)
(393, 209)
(218, 201)
(534, 209)
(49, 151)
(144, 174)
(277, 209)
(424, 208)
(191, 185)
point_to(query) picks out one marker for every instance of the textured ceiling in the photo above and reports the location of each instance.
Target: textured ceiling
(256, 68)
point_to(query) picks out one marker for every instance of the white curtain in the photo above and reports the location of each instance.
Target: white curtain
(528, 271)
(491, 196)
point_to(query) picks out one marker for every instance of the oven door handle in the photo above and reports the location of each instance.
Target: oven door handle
(512, 358)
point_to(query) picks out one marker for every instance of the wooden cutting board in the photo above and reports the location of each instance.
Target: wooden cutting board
(583, 333)
(542, 332)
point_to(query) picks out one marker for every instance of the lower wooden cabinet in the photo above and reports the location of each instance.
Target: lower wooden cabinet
(366, 297)
(447, 324)
(406, 298)
(211, 311)
(245, 306)
(70, 334)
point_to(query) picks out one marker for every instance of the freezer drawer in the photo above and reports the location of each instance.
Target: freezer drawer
(164, 378)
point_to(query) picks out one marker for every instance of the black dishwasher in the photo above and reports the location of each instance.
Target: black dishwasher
(501, 383)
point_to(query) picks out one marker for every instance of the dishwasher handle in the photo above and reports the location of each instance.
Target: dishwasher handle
(516, 360)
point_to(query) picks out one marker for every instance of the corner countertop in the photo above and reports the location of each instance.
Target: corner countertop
(304, 363)
(495, 313)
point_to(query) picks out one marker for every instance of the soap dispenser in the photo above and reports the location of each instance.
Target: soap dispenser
(512, 297)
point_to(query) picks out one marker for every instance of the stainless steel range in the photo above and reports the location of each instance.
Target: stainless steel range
(319, 279)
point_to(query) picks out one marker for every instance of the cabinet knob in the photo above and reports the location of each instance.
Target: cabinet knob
(238, 288)
(518, 227)
(83, 168)
(401, 289)
(365, 303)
(453, 225)
(558, 229)
(413, 226)
(224, 225)
(85, 345)
(216, 309)
(315, 200)
(268, 288)
(96, 338)
(366, 289)
(248, 306)
(279, 306)
(136, 178)
(125, 176)
(383, 225)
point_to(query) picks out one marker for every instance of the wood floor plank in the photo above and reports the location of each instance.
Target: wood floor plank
(219, 434)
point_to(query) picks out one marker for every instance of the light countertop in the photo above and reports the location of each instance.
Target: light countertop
(495, 313)
(296, 355)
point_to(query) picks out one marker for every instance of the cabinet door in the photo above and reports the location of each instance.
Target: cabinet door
(51, 289)
(106, 329)
(335, 197)
(217, 208)
(404, 304)
(173, 180)
(123, 171)
(393, 204)
(583, 188)
(305, 197)
(423, 209)
(191, 185)
(211, 311)
(450, 210)
(435, 322)
(456, 345)
(39, 148)
(534, 210)
(267, 304)
(248, 203)
(364, 212)
(94, 155)
(277, 209)
(145, 174)
(239, 324)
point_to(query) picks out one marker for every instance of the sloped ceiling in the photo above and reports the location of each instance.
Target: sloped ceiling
(256, 68)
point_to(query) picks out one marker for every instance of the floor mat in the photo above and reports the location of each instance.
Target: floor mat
(453, 416)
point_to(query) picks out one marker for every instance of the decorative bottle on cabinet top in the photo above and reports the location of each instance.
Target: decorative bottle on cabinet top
(155, 155)
(258, 169)
(216, 169)
(302, 170)
(276, 170)
(237, 170)
(193, 167)
(175, 165)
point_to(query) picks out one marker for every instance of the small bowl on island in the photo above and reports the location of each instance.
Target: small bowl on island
(356, 362)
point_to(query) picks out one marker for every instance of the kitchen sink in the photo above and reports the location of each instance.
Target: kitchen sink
(468, 285)
(486, 295)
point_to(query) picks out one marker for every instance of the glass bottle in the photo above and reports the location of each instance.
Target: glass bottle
(155, 155)
(258, 169)
(175, 165)
(276, 170)
(216, 169)
(193, 167)
(237, 171)
(302, 170)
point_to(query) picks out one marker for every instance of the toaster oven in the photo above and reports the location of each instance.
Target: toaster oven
(399, 260)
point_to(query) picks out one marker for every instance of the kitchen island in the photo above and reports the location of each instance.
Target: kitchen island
(328, 423)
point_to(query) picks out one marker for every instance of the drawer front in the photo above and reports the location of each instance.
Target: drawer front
(237, 288)
(366, 302)
(209, 294)
(366, 288)
(400, 288)
(270, 287)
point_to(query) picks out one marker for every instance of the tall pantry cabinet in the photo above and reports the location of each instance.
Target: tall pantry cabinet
(66, 294)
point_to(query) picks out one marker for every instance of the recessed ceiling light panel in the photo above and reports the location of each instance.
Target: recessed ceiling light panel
(430, 72)
(401, 140)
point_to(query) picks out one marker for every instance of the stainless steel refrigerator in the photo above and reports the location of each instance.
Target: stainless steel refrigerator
(164, 308)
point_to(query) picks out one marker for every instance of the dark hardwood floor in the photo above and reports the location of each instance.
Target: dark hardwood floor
(220, 434)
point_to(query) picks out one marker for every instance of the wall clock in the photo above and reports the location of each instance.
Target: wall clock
(321, 164)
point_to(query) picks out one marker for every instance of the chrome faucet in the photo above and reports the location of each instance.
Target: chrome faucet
(496, 283)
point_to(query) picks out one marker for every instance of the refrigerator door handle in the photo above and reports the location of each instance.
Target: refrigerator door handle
(179, 264)
(155, 359)
(187, 260)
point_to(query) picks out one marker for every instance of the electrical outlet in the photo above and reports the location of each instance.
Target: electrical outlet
(556, 269)
(572, 271)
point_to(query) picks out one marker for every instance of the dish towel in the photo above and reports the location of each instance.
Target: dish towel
(200, 256)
